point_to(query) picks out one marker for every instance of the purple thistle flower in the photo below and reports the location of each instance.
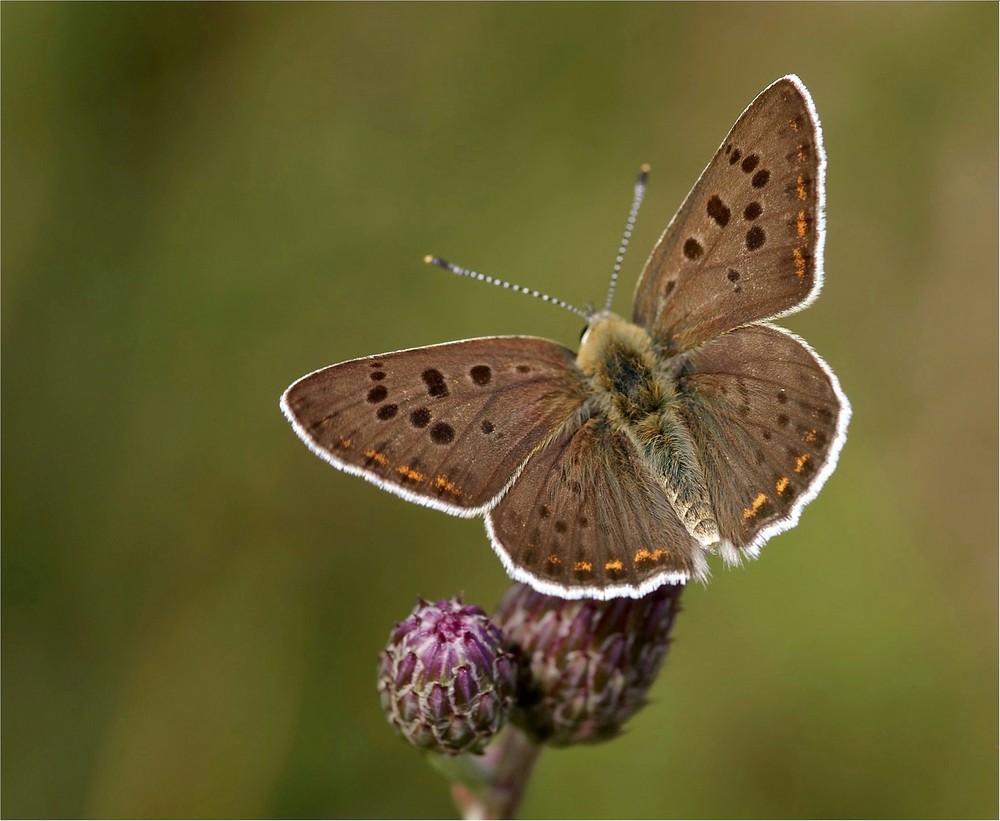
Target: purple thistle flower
(445, 680)
(585, 665)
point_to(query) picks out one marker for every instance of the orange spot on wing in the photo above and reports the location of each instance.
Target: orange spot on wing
(750, 512)
(376, 456)
(811, 436)
(801, 224)
(801, 462)
(800, 187)
(614, 564)
(643, 555)
(554, 560)
(344, 443)
(800, 263)
(794, 125)
(781, 485)
(442, 483)
(409, 473)
(802, 153)
(583, 567)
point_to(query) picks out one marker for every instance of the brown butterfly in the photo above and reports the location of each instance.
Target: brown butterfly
(696, 426)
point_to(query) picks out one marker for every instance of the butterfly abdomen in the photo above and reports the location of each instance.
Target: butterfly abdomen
(669, 451)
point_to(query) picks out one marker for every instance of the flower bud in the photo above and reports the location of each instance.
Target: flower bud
(445, 681)
(585, 665)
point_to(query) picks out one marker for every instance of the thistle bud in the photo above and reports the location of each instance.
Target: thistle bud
(585, 665)
(445, 681)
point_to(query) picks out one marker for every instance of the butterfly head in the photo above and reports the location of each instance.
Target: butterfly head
(606, 333)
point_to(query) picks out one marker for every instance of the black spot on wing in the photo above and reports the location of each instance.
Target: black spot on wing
(718, 211)
(755, 238)
(420, 418)
(481, 375)
(434, 379)
(442, 433)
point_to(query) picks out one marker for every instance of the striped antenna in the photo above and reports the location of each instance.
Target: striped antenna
(639, 192)
(465, 272)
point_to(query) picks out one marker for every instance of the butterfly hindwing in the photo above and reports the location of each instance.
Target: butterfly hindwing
(447, 426)
(587, 519)
(747, 243)
(769, 419)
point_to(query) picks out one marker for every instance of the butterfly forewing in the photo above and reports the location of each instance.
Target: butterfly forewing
(769, 420)
(447, 426)
(586, 519)
(747, 243)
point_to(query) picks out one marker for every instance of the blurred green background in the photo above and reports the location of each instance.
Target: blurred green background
(203, 202)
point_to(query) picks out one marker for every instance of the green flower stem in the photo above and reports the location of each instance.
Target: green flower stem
(492, 785)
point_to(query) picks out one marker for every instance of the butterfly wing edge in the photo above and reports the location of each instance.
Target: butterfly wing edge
(819, 254)
(601, 593)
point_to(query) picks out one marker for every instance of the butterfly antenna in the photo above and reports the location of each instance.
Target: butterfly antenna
(637, 195)
(465, 272)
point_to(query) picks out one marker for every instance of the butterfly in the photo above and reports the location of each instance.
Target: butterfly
(697, 426)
